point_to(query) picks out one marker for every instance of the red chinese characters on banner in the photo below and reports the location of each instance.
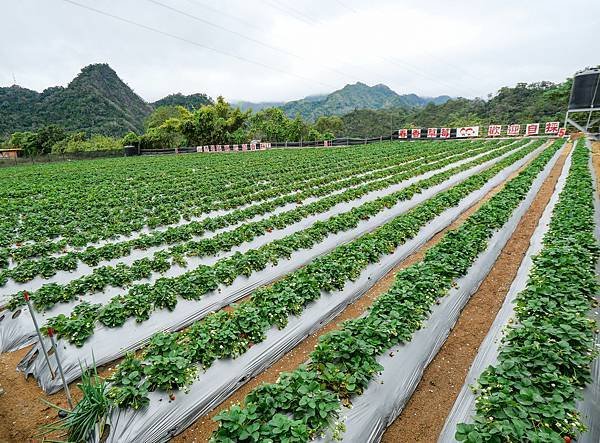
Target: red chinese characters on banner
(551, 128)
(432, 132)
(561, 132)
(415, 133)
(444, 132)
(513, 130)
(403, 133)
(532, 129)
(494, 130)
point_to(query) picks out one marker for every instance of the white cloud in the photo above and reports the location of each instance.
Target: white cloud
(429, 47)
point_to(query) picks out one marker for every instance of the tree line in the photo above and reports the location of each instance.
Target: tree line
(175, 126)
(172, 126)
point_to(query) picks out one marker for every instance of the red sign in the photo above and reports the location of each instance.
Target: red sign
(513, 130)
(494, 130)
(244, 147)
(445, 132)
(403, 133)
(532, 129)
(561, 132)
(432, 132)
(415, 133)
(551, 128)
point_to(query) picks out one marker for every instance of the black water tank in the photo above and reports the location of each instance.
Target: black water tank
(130, 151)
(585, 92)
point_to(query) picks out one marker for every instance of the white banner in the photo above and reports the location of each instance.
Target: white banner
(532, 129)
(467, 131)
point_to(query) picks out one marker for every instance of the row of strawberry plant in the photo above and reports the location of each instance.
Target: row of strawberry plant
(45, 210)
(48, 266)
(295, 177)
(170, 360)
(319, 177)
(122, 275)
(143, 299)
(530, 394)
(302, 404)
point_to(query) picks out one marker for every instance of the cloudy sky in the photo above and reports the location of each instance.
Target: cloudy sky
(263, 50)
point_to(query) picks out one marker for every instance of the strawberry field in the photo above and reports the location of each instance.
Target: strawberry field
(301, 295)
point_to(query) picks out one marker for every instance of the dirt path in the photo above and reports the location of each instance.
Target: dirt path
(201, 430)
(22, 411)
(596, 162)
(424, 415)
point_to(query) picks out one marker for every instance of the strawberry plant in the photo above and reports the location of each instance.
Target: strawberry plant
(545, 356)
(344, 360)
(147, 298)
(226, 334)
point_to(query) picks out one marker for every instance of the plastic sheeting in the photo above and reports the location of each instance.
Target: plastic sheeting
(108, 344)
(63, 277)
(18, 332)
(590, 405)
(163, 419)
(387, 394)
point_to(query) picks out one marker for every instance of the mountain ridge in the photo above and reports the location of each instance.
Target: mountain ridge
(98, 101)
(356, 96)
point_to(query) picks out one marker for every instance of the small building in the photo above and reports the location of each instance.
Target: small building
(11, 153)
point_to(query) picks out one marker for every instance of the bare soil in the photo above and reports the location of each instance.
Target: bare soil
(424, 415)
(201, 430)
(22, 409)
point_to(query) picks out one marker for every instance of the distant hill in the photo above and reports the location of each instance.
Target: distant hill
(244, 106)
(190, 102)
(97, 101)
(356, 96)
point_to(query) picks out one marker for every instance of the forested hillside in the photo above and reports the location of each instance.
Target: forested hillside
(190, 102)
(534, 102)
(96, 101)
(352, 97)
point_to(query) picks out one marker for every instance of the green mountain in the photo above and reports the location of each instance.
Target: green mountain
(192, 101)
(356, 96)
(244, 106)
(523, 103)
(96, 101)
